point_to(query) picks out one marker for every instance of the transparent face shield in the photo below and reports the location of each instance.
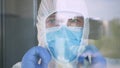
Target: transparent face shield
(63, 34)
(68, 19)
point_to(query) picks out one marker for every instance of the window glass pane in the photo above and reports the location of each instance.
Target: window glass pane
(19, 29)
(104, 29)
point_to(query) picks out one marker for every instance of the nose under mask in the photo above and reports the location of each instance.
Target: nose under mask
(64, 43)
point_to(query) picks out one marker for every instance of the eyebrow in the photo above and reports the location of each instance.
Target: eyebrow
(53, 15)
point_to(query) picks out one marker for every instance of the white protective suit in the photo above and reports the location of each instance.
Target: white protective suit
(48, 7)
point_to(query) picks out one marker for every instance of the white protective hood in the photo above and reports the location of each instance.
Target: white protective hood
(47, 7)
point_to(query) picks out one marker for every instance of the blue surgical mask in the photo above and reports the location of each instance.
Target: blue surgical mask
(63, 43)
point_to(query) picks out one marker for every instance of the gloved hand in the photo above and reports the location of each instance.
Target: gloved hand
(97, 60)
(31, 58)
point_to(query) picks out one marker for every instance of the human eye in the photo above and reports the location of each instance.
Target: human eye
(76, 22)
(51, 21)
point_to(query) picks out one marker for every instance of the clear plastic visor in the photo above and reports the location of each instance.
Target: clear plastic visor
(69, 19)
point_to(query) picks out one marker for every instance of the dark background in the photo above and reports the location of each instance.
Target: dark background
(17, 30)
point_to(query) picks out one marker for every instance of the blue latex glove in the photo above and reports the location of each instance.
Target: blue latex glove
(31, 58)
(97, 60)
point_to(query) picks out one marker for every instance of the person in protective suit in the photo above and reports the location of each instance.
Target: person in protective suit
(63, 30)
